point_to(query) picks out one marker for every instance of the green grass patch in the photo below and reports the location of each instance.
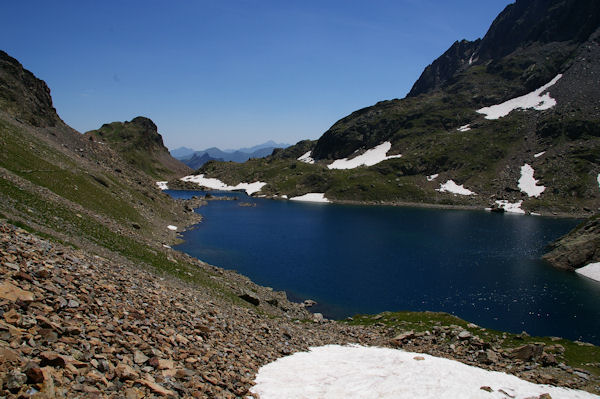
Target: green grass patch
(576, 354)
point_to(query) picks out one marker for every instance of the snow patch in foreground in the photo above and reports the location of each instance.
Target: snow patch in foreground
(590, 271)
(216, 184)
(514, 207)
(162, 185)
(172, 228)
(532, 100)
(311, 197)
(306, 158)
(369, 158)
(464, 128)
(451, 187)
(348, 372)
(528, 184)
(539, 154)
(432, 177)
(598, 178)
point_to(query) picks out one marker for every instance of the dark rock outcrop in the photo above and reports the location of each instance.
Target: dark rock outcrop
(520, 24)
(578, 248)
(459, 55)
(24, 96)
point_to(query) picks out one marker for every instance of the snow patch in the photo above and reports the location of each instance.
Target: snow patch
(162, 185)
(348, 372)
(464, 128)
(216, 184)
(311, 197)
(432, 177)
(369, 158)
(590, 271)
(451, 187)
(306, 158)
(528, 184)
(172, 228)
(514, 207)
(532, 100)
(598, 178)
(539, 154)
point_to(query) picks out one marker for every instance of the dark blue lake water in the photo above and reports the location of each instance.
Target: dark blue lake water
(480, 266)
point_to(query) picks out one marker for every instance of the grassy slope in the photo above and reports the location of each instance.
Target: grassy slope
(47, 191)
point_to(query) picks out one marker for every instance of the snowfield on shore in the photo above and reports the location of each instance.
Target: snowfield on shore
(216, 184)
(590, 271)
(162, 185)
(311, 197)
(348, 372)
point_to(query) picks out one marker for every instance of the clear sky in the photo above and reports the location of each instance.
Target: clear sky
(232, 73)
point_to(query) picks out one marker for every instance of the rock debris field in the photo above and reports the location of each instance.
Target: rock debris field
(73, 324)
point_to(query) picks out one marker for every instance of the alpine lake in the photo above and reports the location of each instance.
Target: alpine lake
(483, 267)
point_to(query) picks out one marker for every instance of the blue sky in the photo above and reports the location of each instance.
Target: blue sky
(232, 73)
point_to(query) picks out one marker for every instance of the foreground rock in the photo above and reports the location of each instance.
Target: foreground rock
(77, 325)
(578, 248)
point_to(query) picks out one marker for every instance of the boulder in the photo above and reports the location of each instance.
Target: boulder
(13, 293)
(250, 298)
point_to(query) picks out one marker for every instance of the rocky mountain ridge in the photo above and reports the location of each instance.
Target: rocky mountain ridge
(519, 25)
(439, 129)
(24, 96)
(139, 142)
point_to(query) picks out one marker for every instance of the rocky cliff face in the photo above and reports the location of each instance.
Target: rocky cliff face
(23, 95)
(522, 24)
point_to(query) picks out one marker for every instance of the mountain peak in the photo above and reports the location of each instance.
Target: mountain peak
(140, 144)
(140, 132)
(24, 96)
(519, 25)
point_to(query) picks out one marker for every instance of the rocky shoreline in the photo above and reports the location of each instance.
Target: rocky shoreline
(75, 324)
(577, 214)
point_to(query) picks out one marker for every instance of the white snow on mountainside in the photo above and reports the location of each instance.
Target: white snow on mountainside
(531, 100)
(369, 158)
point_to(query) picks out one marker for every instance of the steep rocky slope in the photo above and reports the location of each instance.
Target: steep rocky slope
(548, 50)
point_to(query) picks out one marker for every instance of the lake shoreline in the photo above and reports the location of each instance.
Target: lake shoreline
(238, 259)
(426, 205)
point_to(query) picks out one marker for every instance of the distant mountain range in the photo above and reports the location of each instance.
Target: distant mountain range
(195, 159)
